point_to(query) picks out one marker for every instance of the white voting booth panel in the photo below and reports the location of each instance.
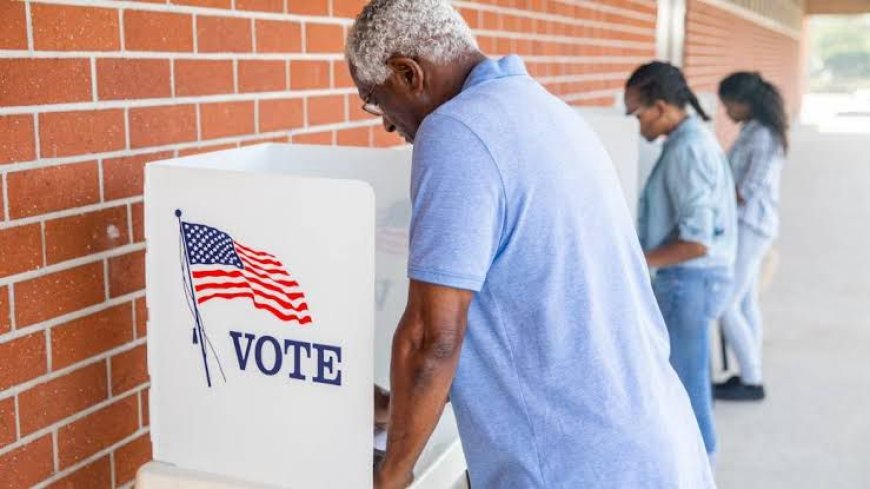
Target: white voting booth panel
(276, 275)
(620, 136)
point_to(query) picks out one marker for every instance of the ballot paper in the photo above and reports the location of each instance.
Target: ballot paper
(380, 439)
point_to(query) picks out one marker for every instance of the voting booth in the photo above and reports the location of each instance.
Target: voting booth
(276, 275)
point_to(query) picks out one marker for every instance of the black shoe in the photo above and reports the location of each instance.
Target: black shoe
(738, 391)
(732, 381)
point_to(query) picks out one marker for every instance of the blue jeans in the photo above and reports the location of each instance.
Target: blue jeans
(690, 300)
(742, 320)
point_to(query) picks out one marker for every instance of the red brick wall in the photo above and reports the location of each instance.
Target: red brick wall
(91, 90)
(719, 42)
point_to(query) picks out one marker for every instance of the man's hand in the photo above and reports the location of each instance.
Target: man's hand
(385, 480)
(382, 408)
(425, 353)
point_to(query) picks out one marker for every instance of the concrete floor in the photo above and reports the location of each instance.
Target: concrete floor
(813, 431)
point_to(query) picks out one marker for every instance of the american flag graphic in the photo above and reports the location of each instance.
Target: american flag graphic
(222, 268)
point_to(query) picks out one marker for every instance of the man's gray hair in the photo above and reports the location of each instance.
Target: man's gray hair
(430, 29)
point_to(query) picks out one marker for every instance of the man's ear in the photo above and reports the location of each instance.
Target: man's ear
(407, 73)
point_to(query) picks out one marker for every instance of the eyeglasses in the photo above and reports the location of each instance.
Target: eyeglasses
(638, 111)
(370, 107)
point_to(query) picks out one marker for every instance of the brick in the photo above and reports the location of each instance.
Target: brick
(7, 421)
(22, 249)
(126, 273)
(261, 5)
(203, 77)
(97, 475)
(91, 335)
(129, 370)
(138, 211)
(58, 293)
(308, 75)
(341, 73)
(204, 3)
(13, 26)
(119, 79)
(124, 177)
(52, 401)
(322, 138)
(145, 406)
(281, 114)
(130, 457)
(226, 119)
(5, 312)
(355, 111)
(308, 7)
(33, 192)
(16, 138)
(358, 136)
(80, 132)
(223, 35)
(206, 149)
(325, 110)
(141, 317)
(102, 429)
(157, 31)
(159, 126)
(23, 359)
(278, 36)
(262, 76)
(472, 17)
(73, 28)
(384, 139)
(44, 81)
(348, 8)
(84, 234)
(29, 464)
(324, 38)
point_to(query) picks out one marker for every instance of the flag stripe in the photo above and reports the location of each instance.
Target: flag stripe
(259, 261)
(280, 315)
(233, 285)
(254, 266)
(253, 251)
(259, 298)
(235, 273)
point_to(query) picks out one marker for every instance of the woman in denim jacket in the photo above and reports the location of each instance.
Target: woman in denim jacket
(687, 225)
(756, 162)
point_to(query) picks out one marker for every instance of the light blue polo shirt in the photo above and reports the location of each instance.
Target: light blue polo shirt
(564, 380)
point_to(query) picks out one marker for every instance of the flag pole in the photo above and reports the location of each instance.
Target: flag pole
(196, 315)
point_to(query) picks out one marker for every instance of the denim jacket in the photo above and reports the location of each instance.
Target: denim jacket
(690, 196)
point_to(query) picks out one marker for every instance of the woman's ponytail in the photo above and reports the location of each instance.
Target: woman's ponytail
(664, 81)
(693, 101)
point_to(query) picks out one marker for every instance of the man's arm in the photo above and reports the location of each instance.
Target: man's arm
(426, 350)
(675, 252)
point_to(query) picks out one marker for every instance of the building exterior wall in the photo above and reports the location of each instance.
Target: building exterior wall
(92, 90)
(721, 39)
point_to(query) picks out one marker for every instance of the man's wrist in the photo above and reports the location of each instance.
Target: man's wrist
(389, 476)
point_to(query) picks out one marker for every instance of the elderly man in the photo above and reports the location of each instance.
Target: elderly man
(530, 302)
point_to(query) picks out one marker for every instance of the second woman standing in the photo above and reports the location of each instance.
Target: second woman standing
(687, 226)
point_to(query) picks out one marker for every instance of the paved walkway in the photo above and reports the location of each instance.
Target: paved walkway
(813, 431)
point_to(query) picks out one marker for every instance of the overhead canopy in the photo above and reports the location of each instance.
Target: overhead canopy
(837, 6)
